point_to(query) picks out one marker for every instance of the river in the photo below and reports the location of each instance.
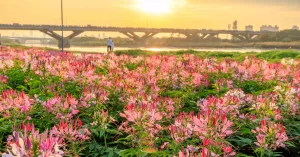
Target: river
(102, 49)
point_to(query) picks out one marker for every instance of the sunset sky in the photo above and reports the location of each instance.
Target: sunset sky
(209, 14)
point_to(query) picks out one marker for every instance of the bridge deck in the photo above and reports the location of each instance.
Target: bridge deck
(122, 29)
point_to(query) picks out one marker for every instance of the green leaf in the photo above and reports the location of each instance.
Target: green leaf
(111, 154)
(246, 131)
(101, 133)
(21, 87)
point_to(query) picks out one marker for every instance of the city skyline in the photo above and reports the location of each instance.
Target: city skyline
(198, 14)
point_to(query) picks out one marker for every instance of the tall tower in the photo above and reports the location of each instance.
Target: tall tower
(234, 27)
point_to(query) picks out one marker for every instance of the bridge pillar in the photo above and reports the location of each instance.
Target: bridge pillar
(212, 36)
(197, 36)
(253, 36)
(59, 37)
(243, 37)
(139, 39)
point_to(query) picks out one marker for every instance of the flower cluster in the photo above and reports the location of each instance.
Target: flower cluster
(270, 135)
(70, 131)
(62, 107)
(29, 143)
(182, 129)
(142, 116)
(11, 99)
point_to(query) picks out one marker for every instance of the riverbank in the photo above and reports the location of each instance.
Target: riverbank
(275, 55)
(269, 45)
(179, 43)
(270, 55)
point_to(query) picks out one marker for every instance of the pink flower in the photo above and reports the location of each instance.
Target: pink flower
(11, 99)
(3, 79)
(63, 107)
(71, 131)
(270, 135)
(164, 145)
(228, 151)
(23, 144)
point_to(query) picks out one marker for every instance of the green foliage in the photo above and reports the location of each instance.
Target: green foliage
(287, 40)
(220, 54)
(190, 97)
(293, 131)
(292, 35)
(133, 52)
(73, 88)
(114, 104)
(16, 77)
(42, 119)
(190, 51)
(132, 66)
(254, 87)
(95, 149)
(101, 70)
(5, 41)
(270, 55)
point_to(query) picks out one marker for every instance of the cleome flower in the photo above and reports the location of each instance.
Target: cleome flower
(3, 79)
(270, 135)
(30, 143)
(11, 99)
(62, 107)
(182, 129)
(70, 131)
(143, 121)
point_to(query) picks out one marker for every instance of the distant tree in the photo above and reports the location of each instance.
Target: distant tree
(287, 39)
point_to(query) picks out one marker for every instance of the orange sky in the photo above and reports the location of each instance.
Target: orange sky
(209, 14)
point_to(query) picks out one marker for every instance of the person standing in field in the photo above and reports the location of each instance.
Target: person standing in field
(110, 45)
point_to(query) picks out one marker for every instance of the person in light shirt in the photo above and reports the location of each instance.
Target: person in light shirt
(110, 45)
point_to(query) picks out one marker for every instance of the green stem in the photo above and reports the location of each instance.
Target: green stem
(262, 153)
(105, 138)
(35, 150)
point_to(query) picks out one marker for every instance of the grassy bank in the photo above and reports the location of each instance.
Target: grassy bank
(7, 41)
(182, 44)
(268, 55)
(275, 55)
(179, 42)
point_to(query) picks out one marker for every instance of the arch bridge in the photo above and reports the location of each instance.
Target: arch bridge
(132, 32)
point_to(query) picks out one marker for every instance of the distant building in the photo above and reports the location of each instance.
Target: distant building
(295, 28)
(229, 27)
(249, 28)
(269, 28)
(234, 27)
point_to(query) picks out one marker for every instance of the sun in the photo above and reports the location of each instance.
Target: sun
(155, 6)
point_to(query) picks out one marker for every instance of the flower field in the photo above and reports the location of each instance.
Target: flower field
(56, 104)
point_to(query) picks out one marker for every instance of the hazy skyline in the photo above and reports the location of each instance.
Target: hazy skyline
(213, 14)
